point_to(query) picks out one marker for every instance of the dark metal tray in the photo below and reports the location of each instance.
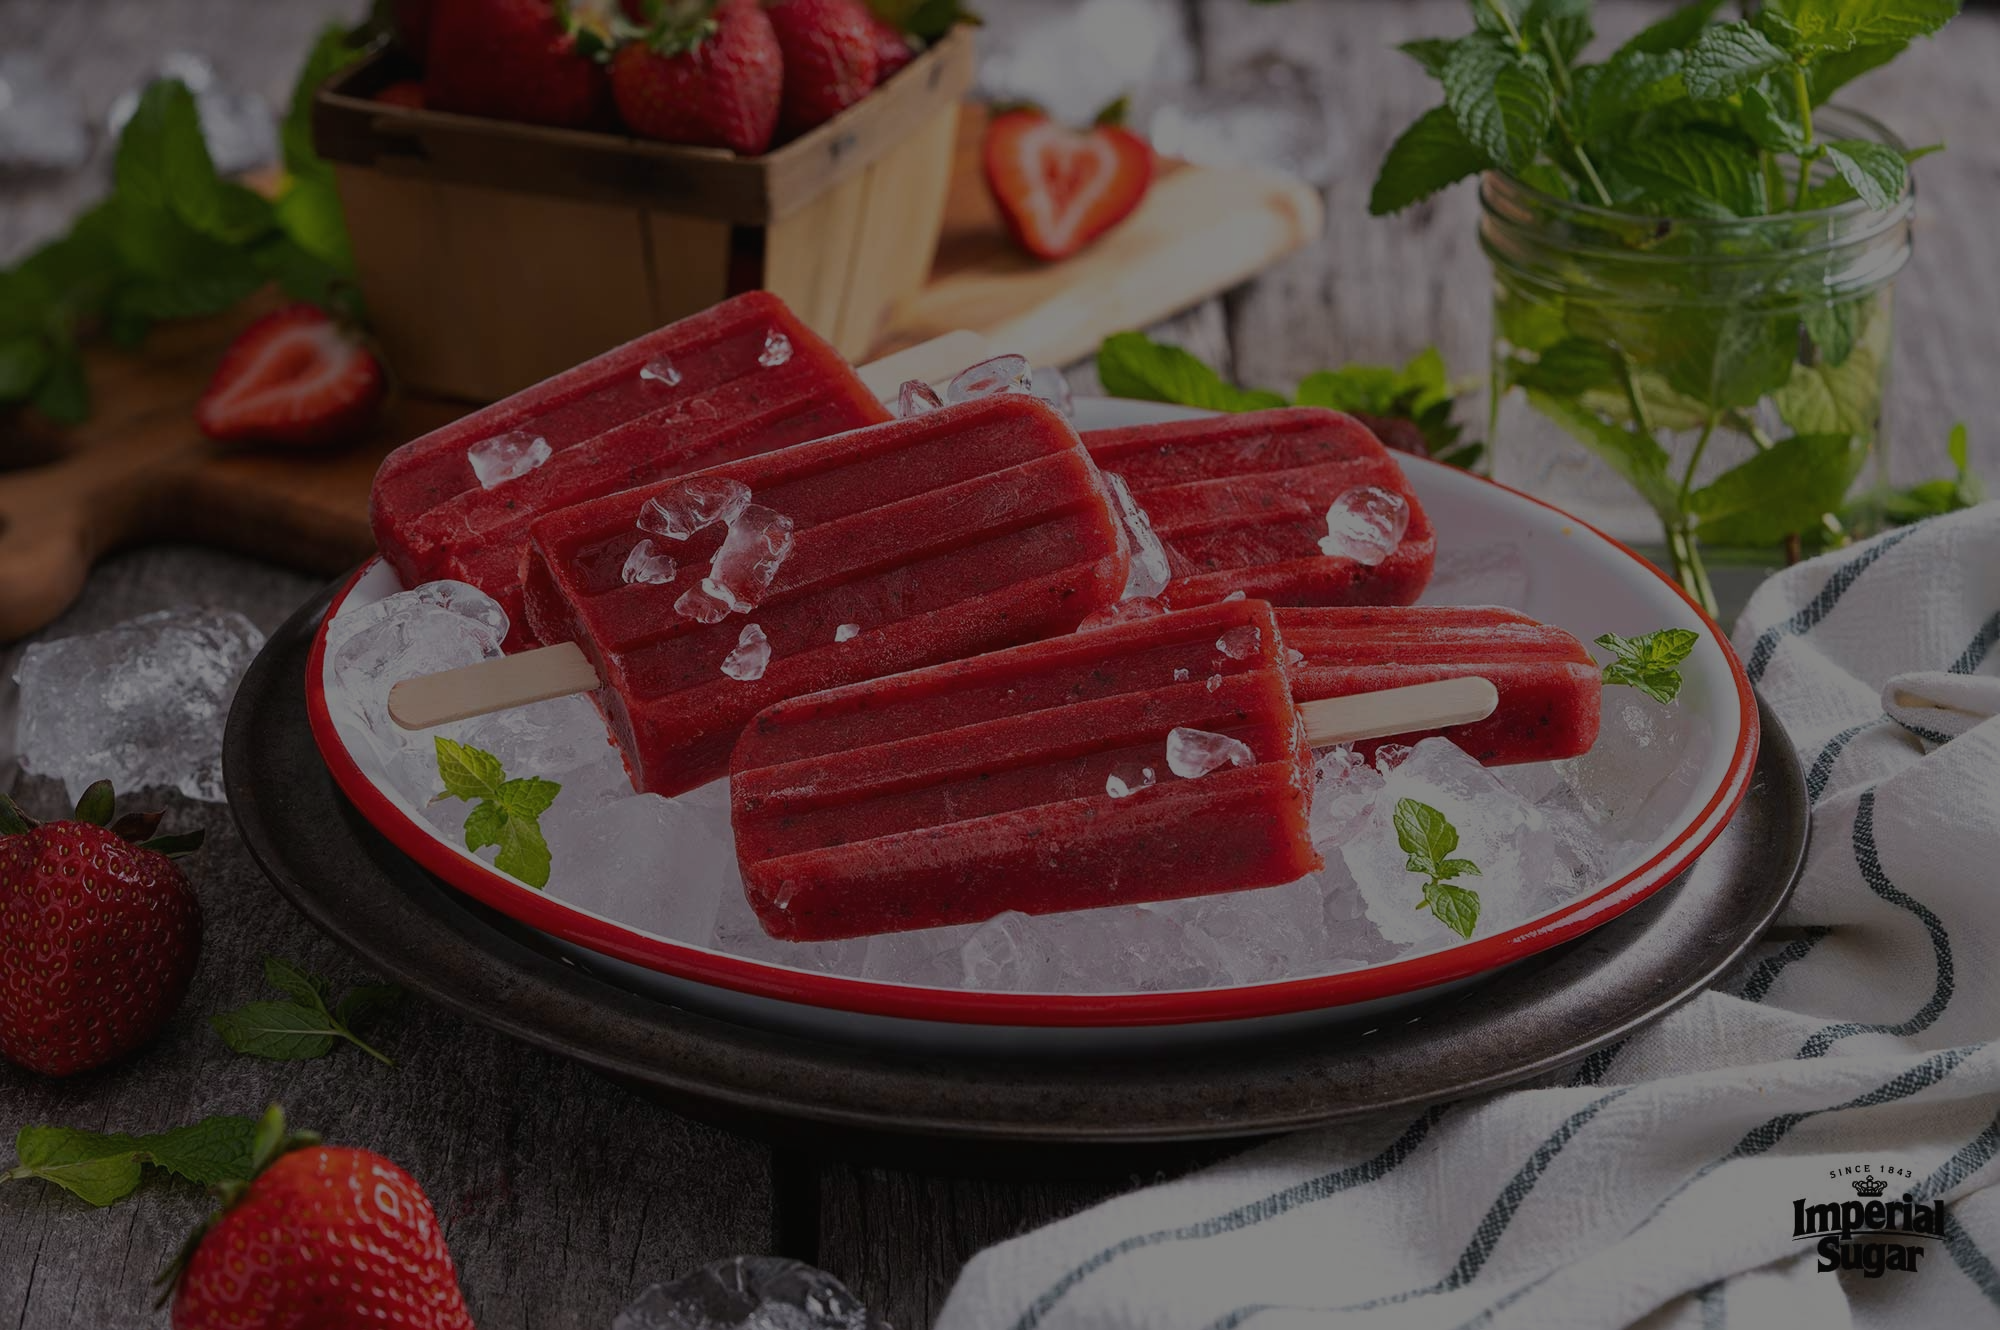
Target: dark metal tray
(1545, 1012)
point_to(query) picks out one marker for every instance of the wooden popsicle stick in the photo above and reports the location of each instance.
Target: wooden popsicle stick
(1417, 706)
(491, 685)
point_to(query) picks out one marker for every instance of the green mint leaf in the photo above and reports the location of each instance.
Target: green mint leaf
(1732, 359)
(485, 825)
(523, 852)
(1425, 158)
(1647, 662)
(1727, 58)
(1771, 115)
(467, 772)
(1836, 69)
(208, 1152)
(1501, 99)
(162, 162)
(334, 49)
(96, 1167)
(1130, 364)
(1456, 907)
(309, 213)
(1496, 16)
(280, 1031)
(1843, 25)
(1457, 868)
(1833, 328)
(1876, 172)
(1570, 368)
(308, 990)
(528, 797)
(1423, 832)
(1366, 388)
(1697, 173)
(1560, 26)
(1631, 82)
(1786, 488)
(1633, 455)
(1843, 395)
(1676, 31)
(24, 359)
(1430, 52)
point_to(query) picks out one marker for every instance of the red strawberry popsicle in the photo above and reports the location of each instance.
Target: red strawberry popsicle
(1550, 689)
(741, 378)
(1241, 503)
(1157, 758)
(701, 601)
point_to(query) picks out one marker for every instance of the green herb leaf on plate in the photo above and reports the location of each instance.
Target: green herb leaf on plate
(1648, 662)
(507, 812)
(1429, 839)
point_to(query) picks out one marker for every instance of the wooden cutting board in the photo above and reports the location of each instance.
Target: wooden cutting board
(139, 471)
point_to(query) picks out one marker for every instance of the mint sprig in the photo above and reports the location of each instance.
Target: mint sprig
(1430, 840)
(102, 1167)
(506, 813)
(1648, 663)
(311, 1023)
(1131, 364)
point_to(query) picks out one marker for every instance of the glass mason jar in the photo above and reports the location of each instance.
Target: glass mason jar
(1675, 350)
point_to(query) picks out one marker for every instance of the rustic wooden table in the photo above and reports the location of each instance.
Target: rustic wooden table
(562, 1193)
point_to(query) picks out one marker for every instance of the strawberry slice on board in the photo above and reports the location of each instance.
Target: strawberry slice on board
(1059, 188)
(293, 377)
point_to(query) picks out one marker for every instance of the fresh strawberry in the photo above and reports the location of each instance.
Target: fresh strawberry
(294, 377)
(528, 60)
(408, 93)
(893, 47)
(1058, 188)
(830, 59)
(98, 934)
(708, 75)
(320, 1238)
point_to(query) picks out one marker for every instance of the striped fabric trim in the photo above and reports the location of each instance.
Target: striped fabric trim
(1816, 609)
(1714, 1315)
(1974, 1155)
(1870, 863)
(1976, 651)
(1291, 1198)
(1822, 767)
(1492, 1226)
(1758, 986)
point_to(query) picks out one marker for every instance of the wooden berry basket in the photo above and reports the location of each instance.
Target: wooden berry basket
(494, 254)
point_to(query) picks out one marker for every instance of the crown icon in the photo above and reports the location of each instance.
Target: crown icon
(1870, 1186)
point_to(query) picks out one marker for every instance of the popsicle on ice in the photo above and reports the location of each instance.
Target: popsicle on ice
(1242, 503)
(1157, 758)
(703, 600)
(1549, 687)
(741, 378)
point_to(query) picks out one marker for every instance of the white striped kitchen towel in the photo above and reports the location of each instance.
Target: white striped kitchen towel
(1654, 1184)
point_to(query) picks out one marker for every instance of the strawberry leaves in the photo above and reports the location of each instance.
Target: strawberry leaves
(102, 1167)
(506, 812)
(309, 1025)
(1429, 839)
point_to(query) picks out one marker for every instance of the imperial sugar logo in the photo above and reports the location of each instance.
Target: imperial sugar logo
(1869, 1232)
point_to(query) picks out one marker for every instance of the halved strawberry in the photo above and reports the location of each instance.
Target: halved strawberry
(1059, 188)
(294, 376)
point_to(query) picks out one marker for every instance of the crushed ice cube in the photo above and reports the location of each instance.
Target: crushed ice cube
(141, 704)
(1637, 776)
(1122, 611)
(506, 457)
(1344, 790)
(915, 398)
(777, 349)
(749, 1293)
(750, 656)
(1390, 756)
(681, 510)
(1234, 595)
(1121, 948)
(1505, 836)
(1150, 570)
(1214, 682)
(846, 632)
(1181, 674)
(749, 557)
(1192, 753)
(1001, 374)
(660, 370)
(697, 604)
(928, 956)
(1126, 780)
(1240, 642)
(645, 564)
(1365, 524)
(1294, 658)
(649, 863)
(1052, 386)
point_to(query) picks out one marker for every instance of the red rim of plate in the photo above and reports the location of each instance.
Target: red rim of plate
(570, 924)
